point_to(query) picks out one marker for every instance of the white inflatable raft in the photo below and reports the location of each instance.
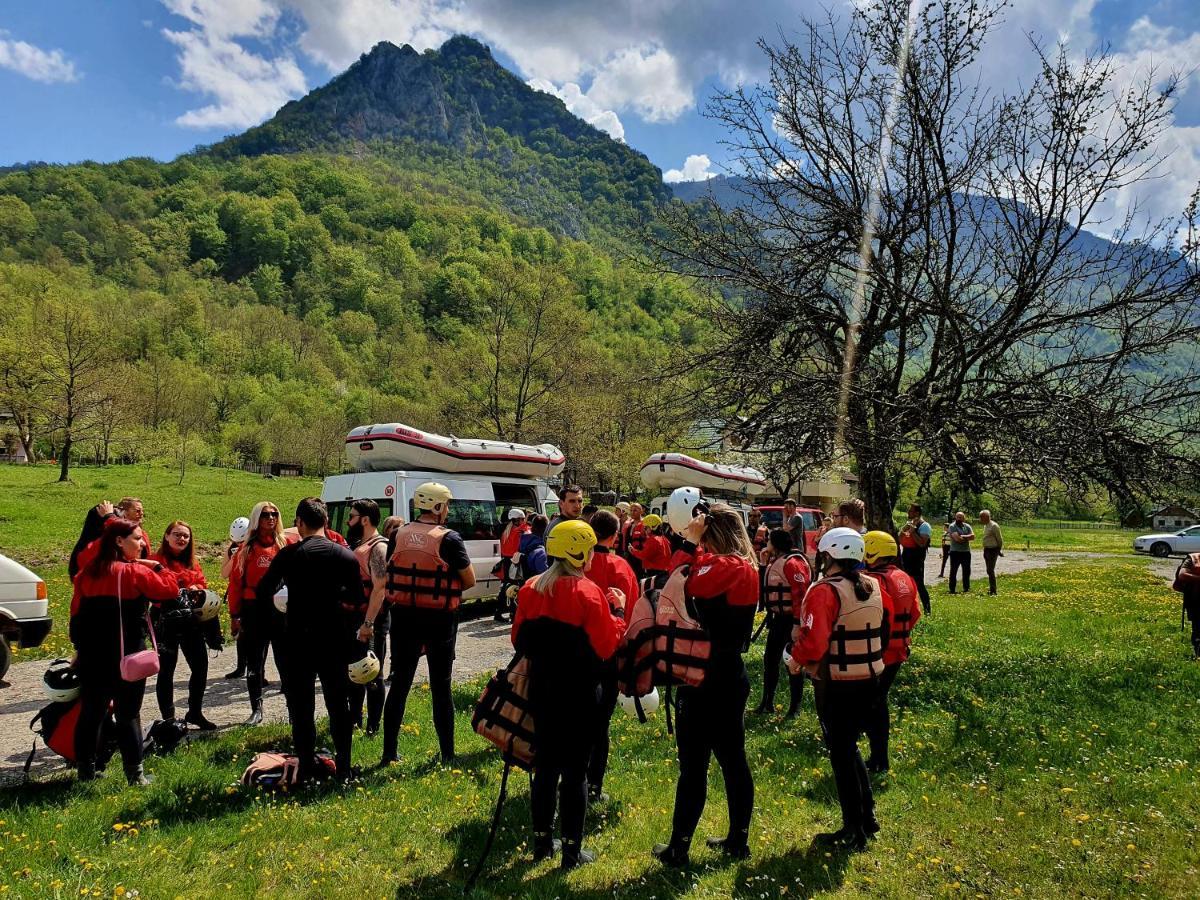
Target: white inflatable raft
(667, 471)
(382, 448)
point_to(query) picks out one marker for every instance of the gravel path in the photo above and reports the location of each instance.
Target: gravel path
(483, 645)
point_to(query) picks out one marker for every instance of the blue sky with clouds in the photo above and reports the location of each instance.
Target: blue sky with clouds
(81, 79)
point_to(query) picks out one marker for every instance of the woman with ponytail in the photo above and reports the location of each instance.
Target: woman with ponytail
(722, 584)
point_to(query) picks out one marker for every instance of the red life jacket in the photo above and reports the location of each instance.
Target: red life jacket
(417, 574)
(363, 554)
(905, 612)
(664, 644)
(856, 641)
(777, 589)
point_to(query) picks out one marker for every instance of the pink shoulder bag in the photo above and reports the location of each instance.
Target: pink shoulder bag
(141, 665)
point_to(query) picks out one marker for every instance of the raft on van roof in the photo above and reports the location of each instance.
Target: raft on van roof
(667, 471)
(382, 448)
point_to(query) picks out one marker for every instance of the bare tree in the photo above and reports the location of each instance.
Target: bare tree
(915, 245)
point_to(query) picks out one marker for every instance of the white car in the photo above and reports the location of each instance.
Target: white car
(1163, 545)
(23, 610)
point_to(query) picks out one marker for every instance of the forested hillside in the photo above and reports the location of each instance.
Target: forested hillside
(256, 308)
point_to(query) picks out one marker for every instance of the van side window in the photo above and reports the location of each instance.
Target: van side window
(474, 520)
(339, 512)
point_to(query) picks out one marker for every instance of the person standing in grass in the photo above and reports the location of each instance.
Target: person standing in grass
(880, 555)
(567, 627)
(184, 633)
(785, 579)
(370, 549)
(993, 544)
(961, 535)
(915, 537)
(722, 586)
(945, 549)
(1187, 582)
(840, 641)
(108, 619)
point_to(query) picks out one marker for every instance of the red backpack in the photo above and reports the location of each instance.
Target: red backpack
(55, 725)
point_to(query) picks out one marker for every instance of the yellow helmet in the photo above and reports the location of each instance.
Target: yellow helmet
(571, 541)
(431, 495)
(652, 521)
(879, 545)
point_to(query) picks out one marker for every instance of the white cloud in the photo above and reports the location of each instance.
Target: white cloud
(337, 32)
(47, 66)
(696, 167)
(582, 105)
(228, 18)
(646, 80)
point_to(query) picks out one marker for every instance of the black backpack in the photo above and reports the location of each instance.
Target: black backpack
(55, 724)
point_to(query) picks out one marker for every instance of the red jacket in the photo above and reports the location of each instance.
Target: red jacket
(654, 553)
(186, 578)
(574, 602)
(731, 577)
(901, 590)
(510, 540)
(242, 586)
(610, 571)
(136, 581)
(817, 616)
(88, 553)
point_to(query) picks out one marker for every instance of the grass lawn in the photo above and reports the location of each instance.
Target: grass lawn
(1044, 746)
(40, 519)
(1053, 536)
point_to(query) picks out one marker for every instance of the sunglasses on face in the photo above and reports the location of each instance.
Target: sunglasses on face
(269, 514)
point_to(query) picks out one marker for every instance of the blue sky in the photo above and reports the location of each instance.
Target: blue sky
(81, 79)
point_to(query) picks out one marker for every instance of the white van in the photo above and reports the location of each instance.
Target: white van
(23, 610)
(478, 512)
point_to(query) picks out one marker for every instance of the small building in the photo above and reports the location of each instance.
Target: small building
(11, 448)
(1172, 517)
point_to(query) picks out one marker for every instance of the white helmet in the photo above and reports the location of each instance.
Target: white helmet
(842, 543)
(630, 705)
(281, 598)
(238, 529)
(431, 495)
(61, 682)
(365, 670)
(209, 606)
(681, 507)
(516, 513)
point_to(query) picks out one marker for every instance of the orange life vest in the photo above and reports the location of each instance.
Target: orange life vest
(663, 643)
(417, 576)
(856, 641)
(503, 714)
(776, 589)
(363, 554)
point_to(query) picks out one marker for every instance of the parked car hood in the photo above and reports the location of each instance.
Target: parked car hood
(12, 572)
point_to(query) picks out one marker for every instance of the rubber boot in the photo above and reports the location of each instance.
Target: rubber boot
(573, 855)
(544, 845)
(256, 714)
(845, 838)
(674, 854)
(137, 776)
(87, 770)
(197, 718)
(736, 846)
(766, 706)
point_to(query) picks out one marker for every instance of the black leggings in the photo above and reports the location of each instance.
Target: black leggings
(372, 693)
(309, 660)
(845, 709)
(564, 742)
(779, 632)
(711, 721)
(912, 560)
(880, 727)
(406, 653)
(262, 630)
(98, 690)
(598, 763)
(189, 640)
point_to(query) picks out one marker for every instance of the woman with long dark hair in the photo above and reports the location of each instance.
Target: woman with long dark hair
(262, 623)
(108, 618)
(722, 584)
(179, 630)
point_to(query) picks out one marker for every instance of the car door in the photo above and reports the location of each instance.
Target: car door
(1189, 540)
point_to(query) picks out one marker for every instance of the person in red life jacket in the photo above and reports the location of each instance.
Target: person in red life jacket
(785, 579)
(129, 508)
(635, 536)
(428, 569)
(370, 549)
(710, 720)
(568, 627)
(839, 640)
(182, 631)
(510, 546)
(882, 558)
(322, 577)
(622, 512)
(238, 529)
(110, 606)
(654, 550)
(261, 622)
(606, 570)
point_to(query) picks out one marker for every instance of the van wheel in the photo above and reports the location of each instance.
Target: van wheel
(1161, 549)
(5, 656)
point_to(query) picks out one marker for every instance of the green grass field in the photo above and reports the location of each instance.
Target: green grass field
(40, 518)
(1044, 746)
